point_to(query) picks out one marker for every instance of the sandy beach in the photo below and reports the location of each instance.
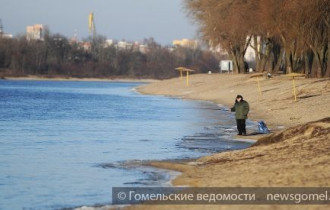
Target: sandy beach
(276, 105)
(296, 154)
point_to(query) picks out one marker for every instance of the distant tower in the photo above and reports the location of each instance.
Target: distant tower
(91, 25)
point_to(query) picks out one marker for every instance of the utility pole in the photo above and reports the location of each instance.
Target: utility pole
(1, 28)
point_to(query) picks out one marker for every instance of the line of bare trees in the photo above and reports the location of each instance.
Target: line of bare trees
(57, 56)
(286, 35)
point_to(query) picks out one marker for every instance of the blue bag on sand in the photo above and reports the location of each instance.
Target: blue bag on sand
(263, 127)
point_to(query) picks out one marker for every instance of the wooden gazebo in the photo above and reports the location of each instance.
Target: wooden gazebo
(183, 69)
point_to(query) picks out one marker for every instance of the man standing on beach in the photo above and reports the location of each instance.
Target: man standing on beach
(241, 109)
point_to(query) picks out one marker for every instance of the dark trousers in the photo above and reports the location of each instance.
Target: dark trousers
(241, 126)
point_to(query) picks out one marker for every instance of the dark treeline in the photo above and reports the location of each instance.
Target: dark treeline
(57, 56)
(287, 35)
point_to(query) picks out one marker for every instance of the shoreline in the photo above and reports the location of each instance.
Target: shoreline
(74, 79)
(168, 166)
(301, 155)
(295, 155)
(276, 105)
(175, 166)
(179, 165)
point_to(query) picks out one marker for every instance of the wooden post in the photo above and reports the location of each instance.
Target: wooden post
(258, 81)
(294, 89)
(187, 78)
(293, 75)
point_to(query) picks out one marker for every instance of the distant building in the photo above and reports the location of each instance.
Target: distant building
(226, 65)
(108, 43)
(143, 48)
(170, 48)
(186, 43)
(73, 40)
(122, 45)
(6, 36)
(87, 46)
(35, 32)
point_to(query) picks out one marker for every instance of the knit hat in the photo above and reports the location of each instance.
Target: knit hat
(239, 96)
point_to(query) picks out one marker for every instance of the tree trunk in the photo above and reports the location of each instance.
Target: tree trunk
(327, 70)
(238, 61)
(257, 52)
(265, 57)
(241, 64)
(320, 56)
(306, 64)
(318, 69)
(279, 61)
(235, 63)
(327, 73)
(288, 62)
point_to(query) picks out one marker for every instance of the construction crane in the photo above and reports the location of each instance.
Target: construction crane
(91, 25)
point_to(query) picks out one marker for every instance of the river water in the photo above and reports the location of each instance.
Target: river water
(66, 144)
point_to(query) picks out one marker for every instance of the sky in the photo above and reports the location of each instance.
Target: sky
(130, 20)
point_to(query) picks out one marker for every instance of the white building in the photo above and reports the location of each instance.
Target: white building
(143, 48)
(6, 36)
(122, 45)
(108, 43)
(189, 43)
(35, 32)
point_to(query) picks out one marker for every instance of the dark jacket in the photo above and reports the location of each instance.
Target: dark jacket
(241, 109)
